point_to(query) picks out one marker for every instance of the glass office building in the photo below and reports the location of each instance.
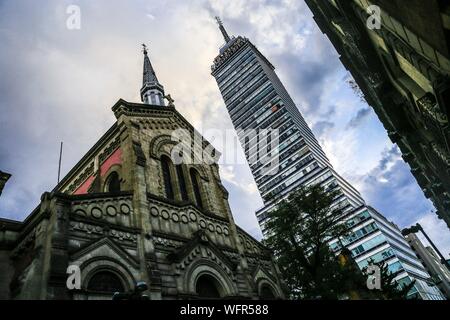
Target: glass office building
(256, 99)
(374, 238)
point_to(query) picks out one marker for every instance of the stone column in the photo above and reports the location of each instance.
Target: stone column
(56, 253)
(147, 256)
(243, 264)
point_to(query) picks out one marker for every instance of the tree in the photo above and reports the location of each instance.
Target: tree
(298, 232)
(389, 287)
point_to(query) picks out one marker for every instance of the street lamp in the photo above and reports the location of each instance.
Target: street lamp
(416, 228)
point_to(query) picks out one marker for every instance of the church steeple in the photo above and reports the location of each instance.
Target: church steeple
(222, 29)
(152, 92)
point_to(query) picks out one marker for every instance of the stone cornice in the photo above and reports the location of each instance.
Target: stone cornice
(186, 204)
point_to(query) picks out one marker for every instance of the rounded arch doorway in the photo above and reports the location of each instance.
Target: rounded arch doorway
(208, 287)
(105, 282)
(266, 293)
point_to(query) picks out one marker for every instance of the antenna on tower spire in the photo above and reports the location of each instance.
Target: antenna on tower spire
(222, 29)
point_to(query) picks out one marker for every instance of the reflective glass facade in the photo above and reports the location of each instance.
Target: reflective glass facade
(256, 99)
(374, 238)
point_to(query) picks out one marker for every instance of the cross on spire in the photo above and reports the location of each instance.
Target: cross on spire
(170, 100)
(144, 48)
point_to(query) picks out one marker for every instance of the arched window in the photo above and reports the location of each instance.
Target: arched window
(266, 293)
(207, 287)
(165, 163)
(196, 186)
(112, 183)
(105, 281)
(182, 182)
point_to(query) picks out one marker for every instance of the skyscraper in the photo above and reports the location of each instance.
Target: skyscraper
(256, 99)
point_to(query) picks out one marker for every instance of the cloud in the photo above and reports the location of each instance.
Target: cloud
(388, 159)
(227, 174)
(392, 190)
(360, 116)
(321, 127)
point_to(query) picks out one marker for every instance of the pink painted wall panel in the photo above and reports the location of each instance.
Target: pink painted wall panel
(84, 186)
(114, 158)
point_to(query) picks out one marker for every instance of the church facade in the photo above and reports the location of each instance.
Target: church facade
(127, 212)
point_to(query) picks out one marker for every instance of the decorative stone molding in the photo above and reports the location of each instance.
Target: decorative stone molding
(200, 245)
(167, 242)
(109, 150)
(250, 245)
(157, 143)
(104, 248)
(86, 173)
(174, 215)
(428, 104)
(443, 155)
(108, 208)
(102, 230)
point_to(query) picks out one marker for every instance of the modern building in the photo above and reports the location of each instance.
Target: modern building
(256, 99)
(402, 67)
(126, 213)
(431, 260)
(374, 238)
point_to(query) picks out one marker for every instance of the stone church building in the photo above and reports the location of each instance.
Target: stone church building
(126, 213)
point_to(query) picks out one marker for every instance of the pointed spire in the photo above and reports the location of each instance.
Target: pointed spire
(152, 92)
(222, 29)
(149, 73)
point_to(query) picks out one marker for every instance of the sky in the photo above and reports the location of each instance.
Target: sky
(59, 84)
